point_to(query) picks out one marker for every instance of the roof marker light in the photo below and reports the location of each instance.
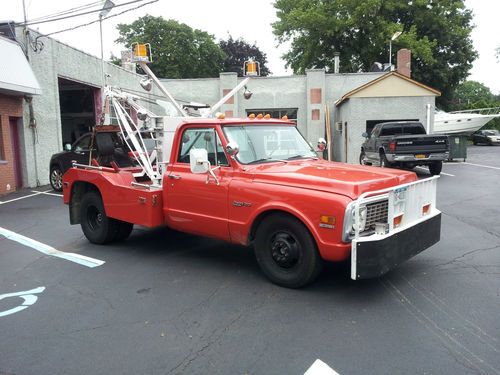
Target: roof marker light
(267, 116)
(220, 116)
(259, 116)
(251, 116)
(285, 117)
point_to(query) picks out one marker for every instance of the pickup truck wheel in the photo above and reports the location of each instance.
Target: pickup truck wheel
(435, 168)
(384, 163)
(56, 178)
(362, 158)
(287, 252)
(96, 226)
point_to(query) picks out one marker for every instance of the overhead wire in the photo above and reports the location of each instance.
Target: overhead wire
(36, 45)
(28, 23)
(67, 11)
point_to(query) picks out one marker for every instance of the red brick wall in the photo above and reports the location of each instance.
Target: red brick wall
(10, 106)
(404, 62)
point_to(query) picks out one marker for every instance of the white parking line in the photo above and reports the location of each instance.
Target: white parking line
(480, 165)
(28, 296)
(32, 195)
(320, 368)
(49, 250)
(47, 193)
(446, 174)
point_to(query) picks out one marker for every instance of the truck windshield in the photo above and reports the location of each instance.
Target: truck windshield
(267, 143)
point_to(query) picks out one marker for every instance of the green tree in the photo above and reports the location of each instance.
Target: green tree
(472, 94)
(178, 50)
(238, 51)
(437, 32)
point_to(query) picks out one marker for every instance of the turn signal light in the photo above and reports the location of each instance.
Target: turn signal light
(397, 220)
(426, 209)
(326, 219)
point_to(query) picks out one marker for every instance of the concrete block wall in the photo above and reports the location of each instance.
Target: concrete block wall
(10, 106)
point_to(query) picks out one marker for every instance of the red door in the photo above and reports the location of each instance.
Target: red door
(193, 205)
(16, 153)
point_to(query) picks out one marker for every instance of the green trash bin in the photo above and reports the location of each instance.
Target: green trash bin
(458, 147)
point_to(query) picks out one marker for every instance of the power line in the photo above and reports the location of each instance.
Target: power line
(38, 45)
(67, 11)
(76, 15)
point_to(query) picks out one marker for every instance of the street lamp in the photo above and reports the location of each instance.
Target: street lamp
(394, 37)
(108, 5)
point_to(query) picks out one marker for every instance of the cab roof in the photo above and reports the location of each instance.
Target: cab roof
(237, 121)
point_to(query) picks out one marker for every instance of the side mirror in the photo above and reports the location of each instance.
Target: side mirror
(198, 158)
(365, 135)
(232, 148)
(67, 146)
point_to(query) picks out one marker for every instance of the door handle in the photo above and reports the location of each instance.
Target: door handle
(174, 176)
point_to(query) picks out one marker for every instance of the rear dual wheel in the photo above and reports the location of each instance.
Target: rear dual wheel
(96, 226)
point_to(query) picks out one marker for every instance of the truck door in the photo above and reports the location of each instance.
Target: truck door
(193, 205)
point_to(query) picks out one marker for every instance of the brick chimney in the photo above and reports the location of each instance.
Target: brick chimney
(403, 65)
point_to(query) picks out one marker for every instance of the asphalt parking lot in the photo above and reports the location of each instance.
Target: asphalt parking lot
(168, 303)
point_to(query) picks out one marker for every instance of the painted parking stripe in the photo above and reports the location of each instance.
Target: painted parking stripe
(320, 368)
(49, 250)
(23, 197)
(28, 296)
(480, 165)
(446, 174)
(47, 193)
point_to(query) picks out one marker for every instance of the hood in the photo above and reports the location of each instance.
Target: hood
(338, 178)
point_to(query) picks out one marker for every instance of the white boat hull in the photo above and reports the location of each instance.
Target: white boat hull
(466, 123)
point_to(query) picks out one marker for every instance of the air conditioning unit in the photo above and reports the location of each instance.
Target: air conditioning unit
(338, 126)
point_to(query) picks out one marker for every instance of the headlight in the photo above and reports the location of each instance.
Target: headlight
(349, 221)
(362, 219)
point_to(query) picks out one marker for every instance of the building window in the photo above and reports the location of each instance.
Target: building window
(291, 113)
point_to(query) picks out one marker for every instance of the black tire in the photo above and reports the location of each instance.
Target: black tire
(384, 163)
(96, 226)
(286, 251)
(362, 157)
(124, 230)
(435, 168)
(55, 177)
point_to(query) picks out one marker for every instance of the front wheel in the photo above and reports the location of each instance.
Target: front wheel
(286, 251)
(56, 178)
(96, 226)
(435, 168)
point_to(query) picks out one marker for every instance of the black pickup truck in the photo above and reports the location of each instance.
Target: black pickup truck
(404, 144)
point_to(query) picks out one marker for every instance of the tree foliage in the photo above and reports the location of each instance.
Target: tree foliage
(474, 95)
(178, 50)
(238, 51)
(436, 31)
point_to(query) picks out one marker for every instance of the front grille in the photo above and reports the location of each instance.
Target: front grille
(376, 213)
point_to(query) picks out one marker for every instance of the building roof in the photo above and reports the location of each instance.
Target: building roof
(16, 76)
(390, 85)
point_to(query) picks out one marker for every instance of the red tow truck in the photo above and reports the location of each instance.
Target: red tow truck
(254, 181)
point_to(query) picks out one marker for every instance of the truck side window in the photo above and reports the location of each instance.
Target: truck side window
(83, 144)
(202, 138)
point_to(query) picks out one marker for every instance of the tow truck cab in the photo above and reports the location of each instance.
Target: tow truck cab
(259, 182)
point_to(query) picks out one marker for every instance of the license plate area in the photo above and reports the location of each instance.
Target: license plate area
(420, 156)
